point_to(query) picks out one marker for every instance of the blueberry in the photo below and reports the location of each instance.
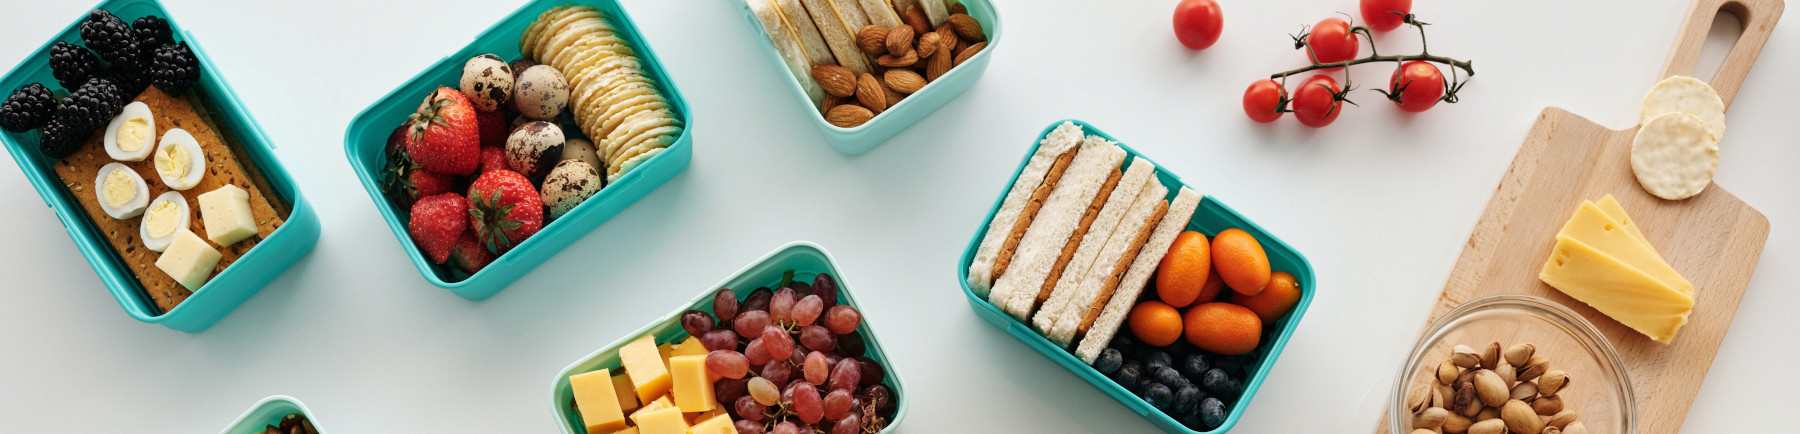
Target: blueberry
(1192, 420)
(1157, 358)
(1158, 396)
(1216, 382)
(1193, 366)
(1168, 377)
(1186, 399)
(1109, 361)
(1127, 375)
(1212, 412)
(1122, 340)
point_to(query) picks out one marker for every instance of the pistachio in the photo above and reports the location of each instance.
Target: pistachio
(1464, 356)
(1547, 405)
(1456, 423)
(1419, 399)
(1423, 431)
(1553, 381)
(1552, 430)
(1534, 368)
(1490, 388)
(1441, 395)
(1447, 372)
(1507, 373)
(1519, 417)
(1575, 428)
(1490, 358)
(1467, 376)
(1490, 426)
(1432, 418)
(1518, 354)
(1524, 390)
(1562, 419)
(1489, 413)
(1465, 394)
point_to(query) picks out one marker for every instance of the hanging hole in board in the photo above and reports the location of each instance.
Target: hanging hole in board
(1726, 28)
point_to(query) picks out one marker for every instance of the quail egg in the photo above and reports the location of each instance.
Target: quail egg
(581, 149)
(487, 81)
(179, 160)
(541, 93)
(534, 148)
(128, 136)
(567, 185)
(121, 191)
(166, 216)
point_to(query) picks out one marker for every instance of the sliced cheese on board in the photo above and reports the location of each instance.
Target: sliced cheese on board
(1627, 295)
(1594, 228)
(1611, 207)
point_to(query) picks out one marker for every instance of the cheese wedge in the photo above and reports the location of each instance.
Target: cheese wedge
(1611, 207)
(1593, 227)
(1620, 291)
(598, 403)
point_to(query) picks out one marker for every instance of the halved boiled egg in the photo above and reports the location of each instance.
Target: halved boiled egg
(166, 216)
(179, 159)
(121, 191)
(128, 137)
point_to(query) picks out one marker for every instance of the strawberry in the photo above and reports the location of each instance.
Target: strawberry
(504, 209)
(444, 137)
(437, 223)
(492, 126)
(493, 158)
(469, 256)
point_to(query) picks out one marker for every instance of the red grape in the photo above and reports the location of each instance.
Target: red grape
(696, 322)
(872, 371)
(786, 428)
(851, 424)
(782, 304)
(818, 338)
(837, 403)
(808, 309)
(748, 427)
(776, 340)
(816, 370)
(719, 340)
(763, 391)
(842, 319)
(757, 300)
(756, 352)
(778, 371)
(748, 409)
(728, 390)
(826, 288)
(846, 375)
(750, 324)
(807, 404)
(851, 344)
(799, 356)
(880, 397)
(725, 305)
(728, 364)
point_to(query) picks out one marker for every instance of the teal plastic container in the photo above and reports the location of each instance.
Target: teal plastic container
(269, 411)
(855, 141)
(239, 281)
(805, 258)
(1210, 218)
(366, 140)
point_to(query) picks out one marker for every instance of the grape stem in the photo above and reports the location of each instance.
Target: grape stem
(1454, 84)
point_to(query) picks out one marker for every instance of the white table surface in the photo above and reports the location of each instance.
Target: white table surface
(1381, 202)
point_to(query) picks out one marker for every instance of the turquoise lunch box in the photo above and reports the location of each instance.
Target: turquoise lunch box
(857, 140)
(269, 411)
(241, 279)
(1210, 218)
(804, 258)
(366, 141)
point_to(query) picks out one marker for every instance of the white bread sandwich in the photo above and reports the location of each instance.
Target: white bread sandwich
(880, 13)
(851, 14)
(841, 41)
(794, 15)
(1024, 304)
(900, 6)
(1022, 201)
(787, 46)
(1058, 218)
(1115, 258)
(1100, 334)
(1065, 282)
(937, 11)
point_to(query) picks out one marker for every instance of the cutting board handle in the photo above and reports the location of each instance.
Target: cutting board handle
(1758, 18)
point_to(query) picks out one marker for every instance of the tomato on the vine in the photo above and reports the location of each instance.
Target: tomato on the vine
(1419, 84)
(1197, 23)
(1263, 101)
(1332, 41)
(1380, 14)
(1316, 101)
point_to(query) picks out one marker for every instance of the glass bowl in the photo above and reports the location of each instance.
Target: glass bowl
(1599, 389)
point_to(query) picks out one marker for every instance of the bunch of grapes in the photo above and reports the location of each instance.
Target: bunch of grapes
(792, 361)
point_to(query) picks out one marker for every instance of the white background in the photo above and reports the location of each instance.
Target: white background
(1381, 202)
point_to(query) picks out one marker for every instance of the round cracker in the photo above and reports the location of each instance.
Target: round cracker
(1683, 94)
(1674, 156)
(659, 137)
(633, 164)
(557, 47)
(636, 124)
(614, 119)
(529, 38)
(559, 23)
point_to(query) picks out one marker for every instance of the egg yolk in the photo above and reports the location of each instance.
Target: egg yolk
(118, 188)
(161, 219)
(172, 161)
(133, 134)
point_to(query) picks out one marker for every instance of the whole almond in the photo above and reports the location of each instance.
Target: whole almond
(915, 18)
(948, 42)
(893, 98)
(872, 39)
(929, 43)
(889, 60)
(848, 115)
(938, 65)
(900, 39)
(1518, 354)
(869, 93)
(836, 80)
(1519, 417)
(829, 102)
(1490, 388)
(958, 8)
(904, 80)
(967, 27)
(1490, 426)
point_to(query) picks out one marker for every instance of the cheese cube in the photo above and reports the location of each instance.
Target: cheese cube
(693, 389)
(719, 424)
(665, 350)
(658, 404)
(628, 399)
(227, 216)
(189, 260)
(627, 430)
(661, 421)
(645, 366)
(598, 403)
(689, 347)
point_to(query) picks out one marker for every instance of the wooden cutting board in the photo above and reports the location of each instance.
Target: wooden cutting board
(1713, 239)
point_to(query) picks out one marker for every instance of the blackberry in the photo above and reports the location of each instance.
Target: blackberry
(153, 30)
(91, 106)
(109, 36)
(72, 65)
(28, 108)
(57, 140)
(174, 68)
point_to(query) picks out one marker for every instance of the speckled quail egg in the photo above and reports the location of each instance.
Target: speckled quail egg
(519, 66)
(534, 148)
(541, 93)
(167, 215)
(121, 191)
(487, 81)
(581, 149)
(567, 185)
(179, 160)
(128, 137)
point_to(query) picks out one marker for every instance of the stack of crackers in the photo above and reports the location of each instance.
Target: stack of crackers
(614, 102)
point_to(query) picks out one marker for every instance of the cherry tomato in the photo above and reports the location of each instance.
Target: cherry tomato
(1380, 13)
(1263, 100)
(1331, 41)
(1315, 103)
(1197, 23)
(1423, 85)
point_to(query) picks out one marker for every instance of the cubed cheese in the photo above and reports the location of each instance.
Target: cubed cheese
(719, 424)
(661, 421)
(627, 430)
(658, 404)
(226, 213)
(693, 389)
(645, 366)
(628, 399)
(189, 260)
(598, 403)
(689, 347)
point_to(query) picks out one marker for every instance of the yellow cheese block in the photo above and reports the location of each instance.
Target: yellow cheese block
(598, 403)
(1627, 295)
(693, 389)
(688, 347)
(720, 424)
(1617, 212)
(694, 418)
(627, 430)
(661, 421)
(1594, 228)
(645, 366)
(628, 399)
(664, 351)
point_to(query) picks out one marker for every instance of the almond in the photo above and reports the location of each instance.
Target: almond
(893, 98)
(929, 43)
(872, 39)
(848, 115)
(938, 65)
(915, 18)
(958, 8)
(948, 41)
(888, 60)
(966, 53)
(869, 93)
(900, 39)
(967, 27)
(904, 81)
(829, 102)
(836, 80)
